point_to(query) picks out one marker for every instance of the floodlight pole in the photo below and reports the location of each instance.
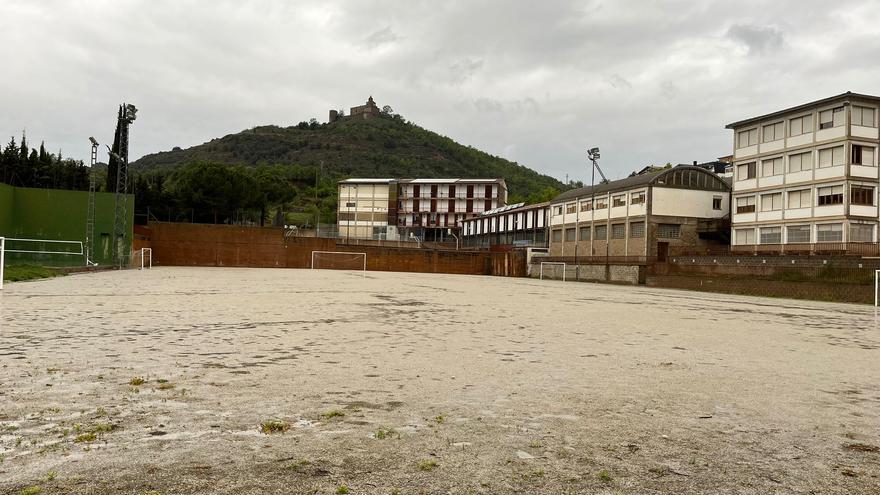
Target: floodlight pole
(90, 213)
(127, 115)
(593, 154)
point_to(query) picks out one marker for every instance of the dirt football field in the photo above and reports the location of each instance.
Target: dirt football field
(273, 381)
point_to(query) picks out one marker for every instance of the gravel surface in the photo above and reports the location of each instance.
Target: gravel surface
(263, 381)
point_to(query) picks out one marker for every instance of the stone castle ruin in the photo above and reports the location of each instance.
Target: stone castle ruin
(366, 111)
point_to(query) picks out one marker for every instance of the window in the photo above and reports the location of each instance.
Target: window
(832, 117)
(602, 203)
(798, 233)
(831, 157)
(637, 198)
(771, 235)
(669, 230)
(716, 202)
(557, 210)
(745, 204)
(586, 205)
(601, 233)
(832, 232)
(771, 167)
(800, 125)
(569, 235)
(800, 162)
(618, 231)
(570, 208)
(863, 116)
(585, 233)
(773, 132)
(350, 204)
(799, 199)
(637, 229)
(771, 202)
(744, 236)
(861, 232)
(617, 201)
(746, 171)
(861, 195)
(862, 155)
(557, 235)
(832, 195)
(747, 138)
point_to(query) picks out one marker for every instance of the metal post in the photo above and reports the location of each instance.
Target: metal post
(2, 261)
(90, 212)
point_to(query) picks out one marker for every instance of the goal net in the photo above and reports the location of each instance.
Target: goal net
(339, 260)
(142, 259)
(42, 252)
(553, 269)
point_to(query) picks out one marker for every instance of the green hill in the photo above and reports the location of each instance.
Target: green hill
(378, 147)
(387, 146)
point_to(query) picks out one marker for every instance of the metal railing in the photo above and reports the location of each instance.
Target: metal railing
(865, 249)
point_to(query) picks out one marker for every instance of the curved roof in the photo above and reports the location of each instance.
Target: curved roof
(681, 177)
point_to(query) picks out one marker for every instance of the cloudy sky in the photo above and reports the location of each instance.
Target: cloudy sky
(535, 82)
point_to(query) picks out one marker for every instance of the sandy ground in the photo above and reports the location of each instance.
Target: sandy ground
(414, 383)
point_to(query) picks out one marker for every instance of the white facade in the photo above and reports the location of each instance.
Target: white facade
(808, 174)
(445, 203)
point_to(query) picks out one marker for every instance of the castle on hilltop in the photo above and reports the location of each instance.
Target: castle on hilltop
(369, 110)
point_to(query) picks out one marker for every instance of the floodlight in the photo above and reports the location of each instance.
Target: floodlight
(94, 143)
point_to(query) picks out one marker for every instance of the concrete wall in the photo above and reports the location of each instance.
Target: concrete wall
(622, 274)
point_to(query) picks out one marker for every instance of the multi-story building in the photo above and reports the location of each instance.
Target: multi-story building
(807, 176)
(511, 225)
(367, 208)
(428, 207)
(643, 215)
(423, 208)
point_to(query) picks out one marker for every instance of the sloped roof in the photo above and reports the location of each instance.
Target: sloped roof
(848, 94)
(645, 179)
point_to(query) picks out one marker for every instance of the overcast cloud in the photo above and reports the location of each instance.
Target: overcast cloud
(535, 82)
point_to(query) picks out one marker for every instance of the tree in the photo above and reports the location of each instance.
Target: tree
(387, 110)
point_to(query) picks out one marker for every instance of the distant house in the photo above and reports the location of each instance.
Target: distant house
(642, 215)
(366, 111)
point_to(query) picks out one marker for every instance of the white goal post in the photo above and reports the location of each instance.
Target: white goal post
(349, 256)
(876, 287)
(76, 249)
(146, 258)
(552, 263)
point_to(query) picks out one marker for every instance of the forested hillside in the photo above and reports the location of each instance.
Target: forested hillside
(280, 167)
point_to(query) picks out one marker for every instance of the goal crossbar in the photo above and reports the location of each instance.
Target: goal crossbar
(364, 255)
(552, 263)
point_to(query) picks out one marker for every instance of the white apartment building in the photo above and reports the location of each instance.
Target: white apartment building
(807, 175)
(426, 208)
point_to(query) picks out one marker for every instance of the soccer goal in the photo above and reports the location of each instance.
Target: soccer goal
(143, 257)
(43, 250)
(552, 263)
(876, 287)
(339, 260)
